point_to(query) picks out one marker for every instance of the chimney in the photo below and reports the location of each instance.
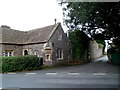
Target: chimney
(5, 27)
(55, 20)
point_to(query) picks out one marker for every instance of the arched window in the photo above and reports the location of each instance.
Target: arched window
(25, 52)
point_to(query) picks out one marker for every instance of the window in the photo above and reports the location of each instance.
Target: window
(8, 53)
(60, 54)
(47, 57)
(25, 52)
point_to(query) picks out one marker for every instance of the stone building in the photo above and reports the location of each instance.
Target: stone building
(49, 43)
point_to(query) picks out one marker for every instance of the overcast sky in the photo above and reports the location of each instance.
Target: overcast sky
(29, 14)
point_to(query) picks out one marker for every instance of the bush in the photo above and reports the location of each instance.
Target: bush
(19, 63)
(101, 46)
(79, 44)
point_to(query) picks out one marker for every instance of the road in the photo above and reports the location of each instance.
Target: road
(96, 74)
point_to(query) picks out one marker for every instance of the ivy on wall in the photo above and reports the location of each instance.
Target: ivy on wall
(79, 43)
(101, 44)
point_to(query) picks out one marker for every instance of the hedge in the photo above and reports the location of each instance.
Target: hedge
(19, 63)
(79, 44)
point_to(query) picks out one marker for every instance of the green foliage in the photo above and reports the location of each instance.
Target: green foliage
(19, 63)
(79, 43)
(100, 46)
(0, 64)
(104, 15)
(100, 42)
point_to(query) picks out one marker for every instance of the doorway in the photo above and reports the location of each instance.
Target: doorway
(25, 52)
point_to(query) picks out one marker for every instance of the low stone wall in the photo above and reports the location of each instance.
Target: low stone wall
(95, 50)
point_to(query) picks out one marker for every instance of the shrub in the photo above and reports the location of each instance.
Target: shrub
(101, 46)
(20, 63)
(79, 44)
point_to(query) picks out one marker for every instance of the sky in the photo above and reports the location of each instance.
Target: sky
(25, 15)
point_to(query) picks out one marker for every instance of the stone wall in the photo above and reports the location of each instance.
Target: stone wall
(17, 50)
(95, 50)
(59, 40)
(0, 49)
(34, 49)
(0, 42)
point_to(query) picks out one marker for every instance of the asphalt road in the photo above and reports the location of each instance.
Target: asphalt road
(97, 74)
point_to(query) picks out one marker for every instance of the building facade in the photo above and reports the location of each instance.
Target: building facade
(49, 43)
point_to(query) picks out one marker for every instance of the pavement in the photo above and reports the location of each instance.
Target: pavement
(102, 59)
(96, 74)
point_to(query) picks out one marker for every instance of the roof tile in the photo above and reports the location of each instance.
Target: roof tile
(26, 37)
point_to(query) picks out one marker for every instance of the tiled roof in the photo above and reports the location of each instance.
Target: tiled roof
(25, 37)
(12, 36)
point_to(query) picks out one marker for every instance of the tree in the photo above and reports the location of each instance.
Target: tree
(92, 16)
(79, 43)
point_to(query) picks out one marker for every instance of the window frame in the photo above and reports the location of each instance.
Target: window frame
(8, 53)
(59, 53)
(46, 57)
